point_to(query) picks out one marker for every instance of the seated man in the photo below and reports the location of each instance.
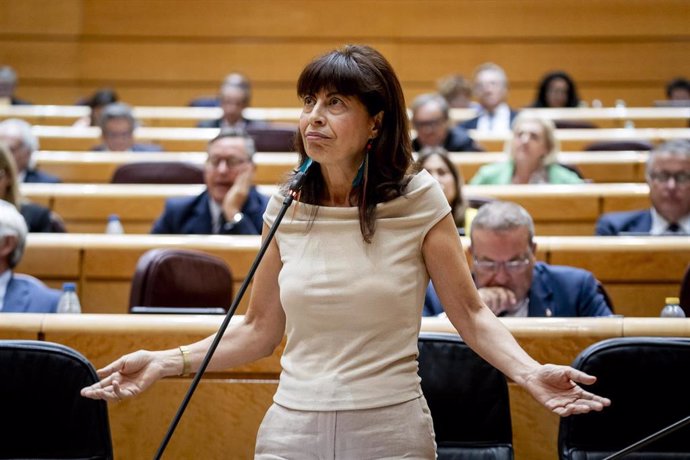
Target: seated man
(430, 118)
(117, 131)
(235, 96)
(22, 143)
(668, 176)
(8, 83)
(509, 279)
(491, 91)
(230, 204)
(22, 293)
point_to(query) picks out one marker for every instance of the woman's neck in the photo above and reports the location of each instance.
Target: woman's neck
(337, 186)
(522, 171)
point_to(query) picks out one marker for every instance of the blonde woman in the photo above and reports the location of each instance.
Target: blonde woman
(533, 148)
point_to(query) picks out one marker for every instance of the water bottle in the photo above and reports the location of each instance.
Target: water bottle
(672, 308)
(69, 302)
(114, 226)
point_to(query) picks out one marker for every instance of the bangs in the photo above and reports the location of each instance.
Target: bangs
(335, 72)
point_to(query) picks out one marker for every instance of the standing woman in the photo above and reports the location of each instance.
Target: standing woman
(345, 279)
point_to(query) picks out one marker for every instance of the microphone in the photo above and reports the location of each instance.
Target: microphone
(651, 438)
(295, 186)
(297, 181)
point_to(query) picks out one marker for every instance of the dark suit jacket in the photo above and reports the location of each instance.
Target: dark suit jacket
(135, 148)
(33, 175)
(26, 294)
(564, 291)
(192, 215)
(37, 217)
(472, 123)
(249, 124)
(457, 140)
(613, 223)
(17, 101)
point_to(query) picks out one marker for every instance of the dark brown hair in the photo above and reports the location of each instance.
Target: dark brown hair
(361, 71)
(459, 204)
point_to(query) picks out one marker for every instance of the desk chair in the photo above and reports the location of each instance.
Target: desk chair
(574, 124)
(158, 172)
(178, 280)
(468, 399)
(274, 138)
(43, 414)
(613, 146)
(643, 377)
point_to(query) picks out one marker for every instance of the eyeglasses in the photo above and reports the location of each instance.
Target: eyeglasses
(661, 177)
(230, 162)
(427, 124)
(511, 266)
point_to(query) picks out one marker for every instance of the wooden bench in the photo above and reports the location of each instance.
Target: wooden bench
(98, 167)
(222, 418)
(556, 209)
(638, 272)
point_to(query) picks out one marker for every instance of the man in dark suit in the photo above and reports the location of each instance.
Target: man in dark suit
(8, 83)
(431, 121)
(117, 131)
(509, 279)
(23, 293)
(235, 96)
(230, 204)
(668, 176)
(22, 143)
(491, 91)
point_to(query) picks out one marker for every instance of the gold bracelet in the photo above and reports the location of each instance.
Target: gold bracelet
(184, 350)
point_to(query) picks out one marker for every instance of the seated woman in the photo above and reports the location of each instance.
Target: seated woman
(556, 90)
(532, 149)
(38, 218)
(436, 161)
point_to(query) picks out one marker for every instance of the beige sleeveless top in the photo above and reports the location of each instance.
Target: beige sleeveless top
(353, 309)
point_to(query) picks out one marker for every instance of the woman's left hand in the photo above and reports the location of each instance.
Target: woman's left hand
(556, 387)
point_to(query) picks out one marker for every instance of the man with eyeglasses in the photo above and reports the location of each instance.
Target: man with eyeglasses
(668, 176)
(509, 279)
(430, 119)
(117, 131)
(230, 204)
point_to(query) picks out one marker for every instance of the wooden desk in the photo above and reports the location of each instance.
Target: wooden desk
(271, 168)
(195, 139)
(98, 167)
(578, 139)
(638, 272)
(85, 207)
(237, 399)
(180, 116)
(618, 117)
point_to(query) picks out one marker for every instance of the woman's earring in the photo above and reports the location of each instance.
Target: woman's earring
(362, 171)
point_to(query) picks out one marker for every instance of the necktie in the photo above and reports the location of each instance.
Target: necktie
(221, 223)
(674, 229)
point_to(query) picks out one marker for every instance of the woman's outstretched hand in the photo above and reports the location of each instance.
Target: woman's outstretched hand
(127, 377)
(556, 387)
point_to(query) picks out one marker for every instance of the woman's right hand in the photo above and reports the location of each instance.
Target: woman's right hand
(129, 375)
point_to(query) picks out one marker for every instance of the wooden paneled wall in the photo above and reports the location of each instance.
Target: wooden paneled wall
(167, 52)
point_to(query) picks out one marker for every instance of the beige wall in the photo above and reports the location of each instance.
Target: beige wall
(166, 52)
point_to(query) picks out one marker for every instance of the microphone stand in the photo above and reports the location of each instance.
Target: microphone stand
(652, 437)
(296, 185)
